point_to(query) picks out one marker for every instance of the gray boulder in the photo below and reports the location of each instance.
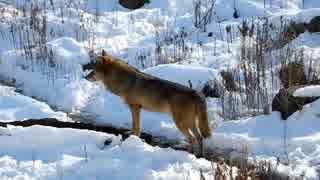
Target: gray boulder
(132, 4)
(314, 25)
(287, 104)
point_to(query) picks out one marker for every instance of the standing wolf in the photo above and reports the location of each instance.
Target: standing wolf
(139, 90)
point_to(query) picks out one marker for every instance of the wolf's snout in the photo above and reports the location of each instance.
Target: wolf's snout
(91, 76)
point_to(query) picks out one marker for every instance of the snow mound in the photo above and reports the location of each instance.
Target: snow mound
(67, 50)
(16, 107)
(309, 91)
(48, 153)
(296, 139)
(182, 74)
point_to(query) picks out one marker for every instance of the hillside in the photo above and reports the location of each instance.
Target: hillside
(44, 44)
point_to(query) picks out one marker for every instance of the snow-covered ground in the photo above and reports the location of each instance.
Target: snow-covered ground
(48, 153)
(59, 82)
(309, 91)
(16, 107)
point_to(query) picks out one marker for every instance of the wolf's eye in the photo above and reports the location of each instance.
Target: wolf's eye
(91, 76)
(87, 72)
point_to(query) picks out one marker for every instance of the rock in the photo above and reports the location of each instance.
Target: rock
(211, 90)
(292, 74)
(314, 25)
(107, 142)
(287, 104)
(133, 4)
(294, 30)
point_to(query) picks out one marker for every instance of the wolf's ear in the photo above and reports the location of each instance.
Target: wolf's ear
(103, 52)
(102, 60)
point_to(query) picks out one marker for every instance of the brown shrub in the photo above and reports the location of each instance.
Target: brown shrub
(292, 74)
(229, 82)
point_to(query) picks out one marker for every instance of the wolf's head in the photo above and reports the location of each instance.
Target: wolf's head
(98, 67)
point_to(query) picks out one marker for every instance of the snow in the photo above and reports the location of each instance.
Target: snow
(68, 50)
(49, 153)
(197, 75)
(306, 15)
(16, 107)
(308, 91)
(264, 136)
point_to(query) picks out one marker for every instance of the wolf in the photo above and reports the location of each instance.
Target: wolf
(139, 90)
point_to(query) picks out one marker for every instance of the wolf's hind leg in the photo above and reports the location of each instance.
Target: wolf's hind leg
(199, 138)
(183, 127)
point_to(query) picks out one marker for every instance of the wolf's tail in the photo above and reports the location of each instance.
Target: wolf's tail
(203, 118)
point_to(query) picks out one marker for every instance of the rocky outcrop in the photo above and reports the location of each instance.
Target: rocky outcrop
(212, 90)
(293, 30)
(314, 25)
(287, 104)
(133, 4)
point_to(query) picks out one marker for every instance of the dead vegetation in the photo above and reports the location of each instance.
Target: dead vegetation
(245, 91)
(262, 72)
(293, 29)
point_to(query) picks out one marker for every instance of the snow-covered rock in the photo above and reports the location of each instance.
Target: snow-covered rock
(308, 91)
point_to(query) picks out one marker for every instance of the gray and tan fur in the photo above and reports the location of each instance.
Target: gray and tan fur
(140, 90)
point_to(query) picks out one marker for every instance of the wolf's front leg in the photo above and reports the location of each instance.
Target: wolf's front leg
(196, 148)
(135, 113)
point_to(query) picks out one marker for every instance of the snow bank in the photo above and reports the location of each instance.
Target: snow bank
(67, 51)
(16, 107)
(125, 34)
(182, 74)
(308, 91)
(60, 83)
(306, 15)
(268, 136)
(48, 153)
